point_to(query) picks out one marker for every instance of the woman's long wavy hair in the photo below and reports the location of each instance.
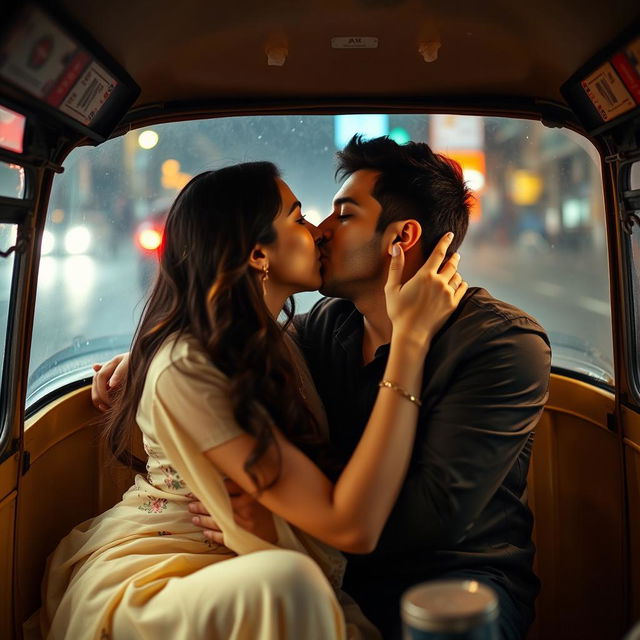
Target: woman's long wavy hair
(206, 288)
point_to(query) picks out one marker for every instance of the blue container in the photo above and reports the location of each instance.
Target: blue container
(450, 610)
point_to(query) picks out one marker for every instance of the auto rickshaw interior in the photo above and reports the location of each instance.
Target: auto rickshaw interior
(542, 99)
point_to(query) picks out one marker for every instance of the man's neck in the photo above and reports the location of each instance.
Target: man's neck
(373, 307)
(377, 326)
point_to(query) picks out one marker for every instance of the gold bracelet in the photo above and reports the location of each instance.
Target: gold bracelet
(403, 392)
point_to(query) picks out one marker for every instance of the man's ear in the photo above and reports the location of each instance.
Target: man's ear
(406, 233)
(258, 259)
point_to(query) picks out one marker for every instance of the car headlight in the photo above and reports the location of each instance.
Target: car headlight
(77, 240)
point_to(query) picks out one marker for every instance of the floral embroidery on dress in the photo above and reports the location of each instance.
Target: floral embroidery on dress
(154, 505)
(214, 546)
(172, 478)
(148, 450)
(150, 454)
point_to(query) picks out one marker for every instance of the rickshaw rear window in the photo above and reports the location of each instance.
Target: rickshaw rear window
(11, 180)
(634, 176)
(8, 237)
(536, 238)
(635, 248)
(634, 243)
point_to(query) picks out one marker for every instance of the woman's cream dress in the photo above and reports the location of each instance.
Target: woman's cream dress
(143, 570)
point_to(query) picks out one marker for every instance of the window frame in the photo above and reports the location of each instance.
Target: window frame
(18, 213)
(22, 213)
(631, 312)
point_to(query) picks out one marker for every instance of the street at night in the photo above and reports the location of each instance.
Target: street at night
(86, 297)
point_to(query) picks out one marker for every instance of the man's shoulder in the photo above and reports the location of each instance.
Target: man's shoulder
(489, 337)
(480, 301)
(487, 313)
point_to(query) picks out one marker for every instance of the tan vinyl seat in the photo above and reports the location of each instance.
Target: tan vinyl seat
(575, 492)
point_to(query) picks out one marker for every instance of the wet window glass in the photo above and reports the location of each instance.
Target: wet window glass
(536, 239)
(634, 242)
(8, 236)
(634, 176)
(11, 180)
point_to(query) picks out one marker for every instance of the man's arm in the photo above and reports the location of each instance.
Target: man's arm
(109, 376)
(469, 441)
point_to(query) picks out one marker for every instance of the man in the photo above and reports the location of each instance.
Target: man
(462, 510)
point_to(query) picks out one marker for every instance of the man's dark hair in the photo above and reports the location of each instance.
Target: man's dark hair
(414, 183)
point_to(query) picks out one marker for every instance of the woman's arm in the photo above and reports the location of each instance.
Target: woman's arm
(350, 515)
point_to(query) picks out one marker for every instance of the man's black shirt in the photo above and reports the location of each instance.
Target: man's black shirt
(462, 509)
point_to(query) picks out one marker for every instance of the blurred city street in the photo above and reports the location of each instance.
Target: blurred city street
(89, 297)
(85, 297)
(536, 237)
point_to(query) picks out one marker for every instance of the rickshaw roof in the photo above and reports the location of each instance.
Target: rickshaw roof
(203, 50)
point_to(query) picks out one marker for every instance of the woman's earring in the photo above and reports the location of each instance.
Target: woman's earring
(265, 277)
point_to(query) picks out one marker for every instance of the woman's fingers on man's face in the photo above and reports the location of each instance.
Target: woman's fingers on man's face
(456, 281)
(450, 266)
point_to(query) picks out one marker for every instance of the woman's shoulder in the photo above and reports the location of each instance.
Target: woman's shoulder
(183, 356)
(185, 392)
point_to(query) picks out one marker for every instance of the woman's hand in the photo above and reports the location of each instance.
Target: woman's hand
(419, 307)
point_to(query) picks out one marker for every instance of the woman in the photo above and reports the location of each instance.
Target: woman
(218, 391)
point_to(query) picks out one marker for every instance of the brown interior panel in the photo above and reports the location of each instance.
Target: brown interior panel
(632, 454)
(631, 422)
(8, 497)
(7, 519)
(68, 482)
(60, 488)
(9, 475)
(575, 491)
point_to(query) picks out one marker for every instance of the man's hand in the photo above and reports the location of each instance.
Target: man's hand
(247, 512)
(108, 376)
